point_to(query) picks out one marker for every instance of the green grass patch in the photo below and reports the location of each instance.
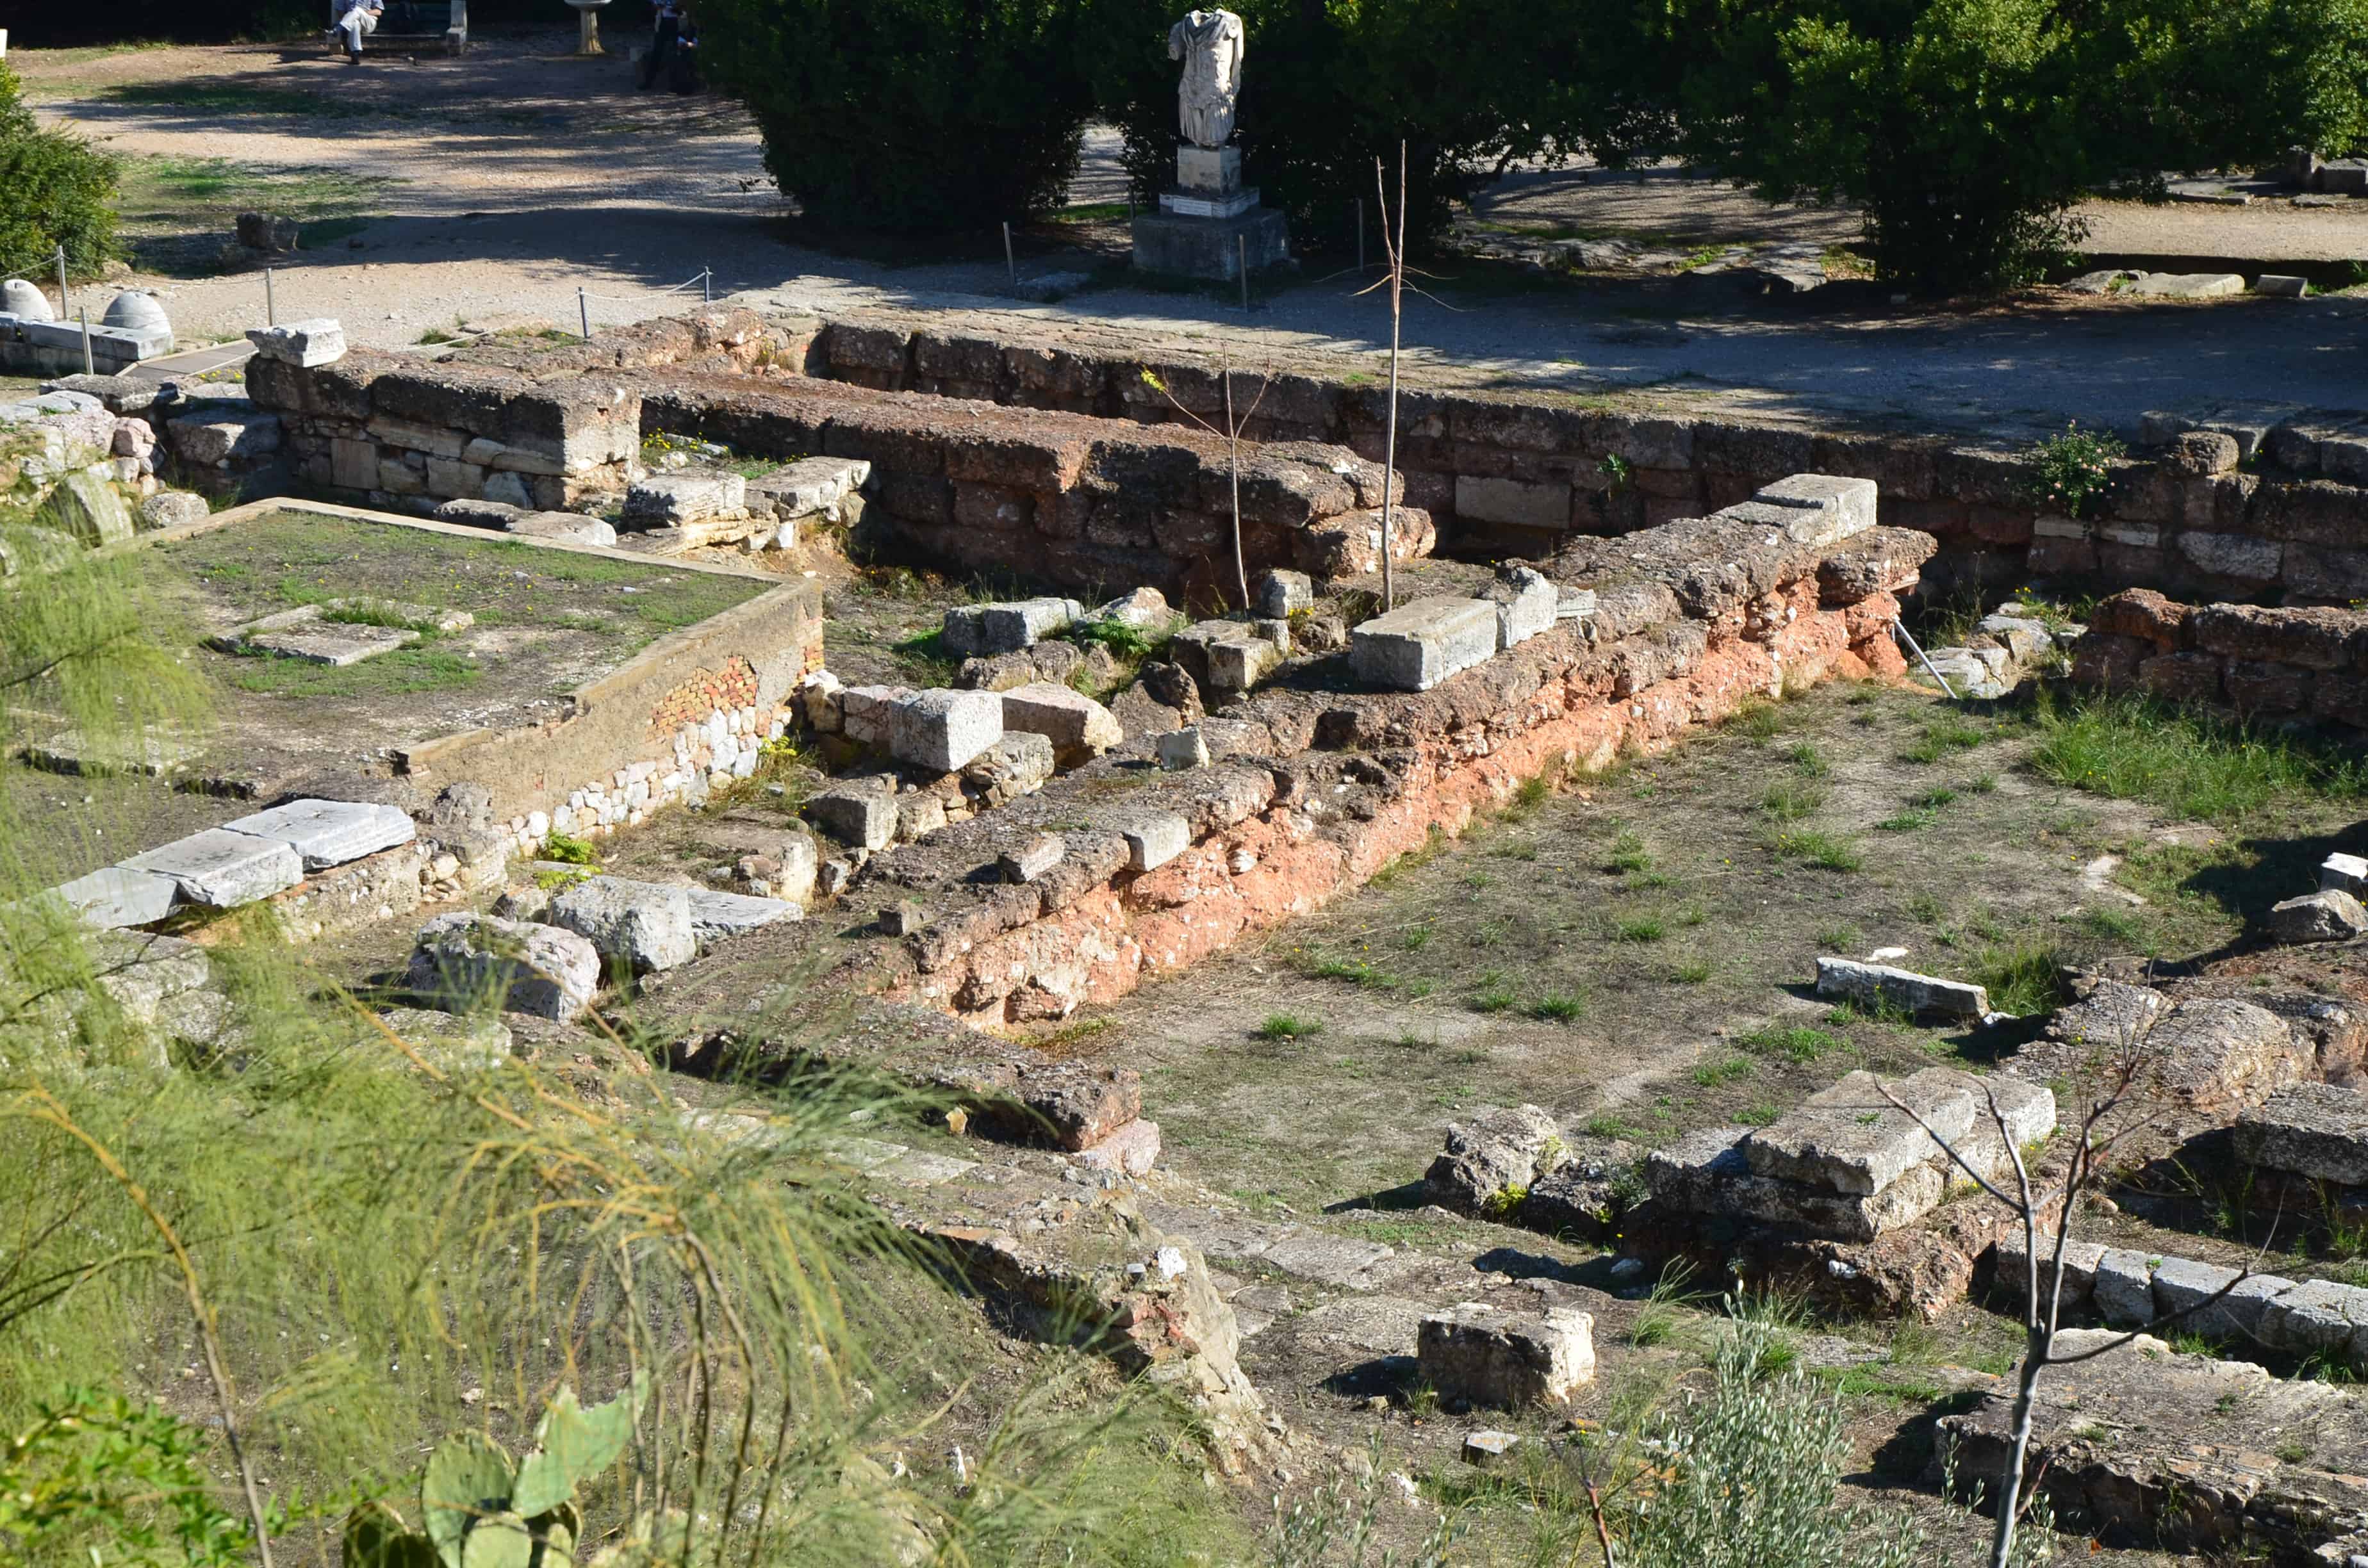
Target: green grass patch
(2022, 978)
(1646, 929)
(1945, 736)
(406, 670)
(1556, 1007)
(1693, 971)
(1792, 802)
(1710, 1075)
(1288, 1026)
(233, 98)
(1810, 761)
(1629, 854)
(1915, 820)
(2206, 769)
(1827, 851)
(1795, 1044)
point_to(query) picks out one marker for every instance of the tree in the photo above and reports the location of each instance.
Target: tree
(909, 115)
(55, 190)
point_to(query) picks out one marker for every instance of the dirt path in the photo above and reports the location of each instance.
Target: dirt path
(503, 182)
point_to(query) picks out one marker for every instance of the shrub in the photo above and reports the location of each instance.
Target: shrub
(2072, 473)
(55, 190)
(907, 115)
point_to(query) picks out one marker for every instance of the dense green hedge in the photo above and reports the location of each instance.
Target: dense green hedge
(55, 190)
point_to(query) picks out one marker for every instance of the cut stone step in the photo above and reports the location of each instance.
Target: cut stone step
(224, 870)
(330, 833)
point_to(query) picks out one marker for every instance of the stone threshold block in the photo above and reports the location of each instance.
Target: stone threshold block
(1079, 727)
(1880, 986)
(330, 833)
(678, 500)
(1709, 1173)
(304, 344)
(978, 630)
(1850, 1138)
(943, 730)
(114, 897)
(224, 870)
(647, 925)
(1422, 642)
(540, 970)
(1490, 1356)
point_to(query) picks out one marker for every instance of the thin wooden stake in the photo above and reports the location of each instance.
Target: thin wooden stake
(583, 314)
(64, 303)
(88, 369)
(271, 303)
(1242, 249)
(1010, 260)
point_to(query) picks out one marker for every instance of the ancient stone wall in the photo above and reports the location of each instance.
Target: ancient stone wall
(2267, 664)
(2235, 508)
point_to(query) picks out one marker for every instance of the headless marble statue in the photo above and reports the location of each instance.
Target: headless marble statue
(1209, 44)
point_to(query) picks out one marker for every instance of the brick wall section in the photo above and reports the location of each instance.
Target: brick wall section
(2292, 522)
(1098, 506)
(2266, 663)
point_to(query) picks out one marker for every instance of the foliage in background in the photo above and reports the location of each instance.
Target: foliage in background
(907, 115)
(2073, 473)
(55, 190)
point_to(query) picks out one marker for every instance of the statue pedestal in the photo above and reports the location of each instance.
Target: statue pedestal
(1211, 226)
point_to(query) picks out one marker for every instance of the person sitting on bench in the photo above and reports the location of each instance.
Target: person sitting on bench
(354, 20)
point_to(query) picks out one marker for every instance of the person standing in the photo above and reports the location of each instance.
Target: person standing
(664, 39)
(354, 21)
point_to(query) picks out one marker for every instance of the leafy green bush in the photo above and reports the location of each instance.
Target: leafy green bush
(55, 190)
(2073, 472)
(906, 115)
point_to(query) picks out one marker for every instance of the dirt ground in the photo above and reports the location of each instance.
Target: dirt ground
(502, 183)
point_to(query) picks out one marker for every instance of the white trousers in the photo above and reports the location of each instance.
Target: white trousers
(355, 24)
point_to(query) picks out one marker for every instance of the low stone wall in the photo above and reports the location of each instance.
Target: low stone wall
(1319, 784)
(2269, 664)
(2238, 506)
(1089, 503)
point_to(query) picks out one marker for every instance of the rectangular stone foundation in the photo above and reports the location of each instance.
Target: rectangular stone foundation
(1211, 248)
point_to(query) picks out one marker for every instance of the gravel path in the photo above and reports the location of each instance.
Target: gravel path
(526, 174)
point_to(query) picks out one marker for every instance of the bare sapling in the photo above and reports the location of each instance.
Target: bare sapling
(2044, 1213)
(1236, 420)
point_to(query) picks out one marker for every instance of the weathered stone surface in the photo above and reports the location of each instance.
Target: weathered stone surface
(330, 833)
(1527, 603)
(808, 486)
(223, 870)
(113, 897)
(2318, 917)
(1881, 986)
(265, 231)
(173, 509)
(1707, 1172)
(143, 973)
(2344, 873)
(2218, 1303)
(680, 500)
(1131, 1151)
(1184, 748)
(1071, 1105)
(2320, 1317)
(1015, 766)
(943, 730)
(1031, 860)
(2124, 1292)
(1155, 838)
(24, 300)
(868, 714)
(1006, 628)
(861, 814)
(304, 344)
(1280, 594)
(1850, 1138)
(2319, 1130)
(1422, 642)
(445, 1041)
(1238, 663)
(566, 527)
(1485, 1449)
(541, 971)
(1485, 1157)
(1145, 610)
(2216, 1054)
(645, 924)
(2079, 1269)
(1079, 727)
(1832, 509)
(87, 509)
(1489, 1356)
(224, 433)
(720, 916)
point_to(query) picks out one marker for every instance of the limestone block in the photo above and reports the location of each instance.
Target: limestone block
(808, 486)
(224, 870)
(566, 527)
(1280, 594)
(304, 344)
(1484, 1156)
(1030, 860)
(2318, 1130)
(1881, 986)
(1527, 604)
(862, 815)
(942, 730)
(540, 970)
(1015, 766)
(646, 924)
(1422, 642)
(818, 695)
(331, 833)
(2344, 873)
(173, 509)
(1490, 1356)
(920, 815)
(1482, 498)
(2318, 1317)
(2234, 555)
(2282, 286)
(1077, 726)
(2023, 637)
(511, 490)
(1131, 1151)
(1238, 663)
(113, 897)
(1832, 509)
(1145, 610)
(678, 500)
(226, 432)
(143, 973)
(1487, 1450)
(1850, 1138)
(2318, 917)
(868, 714)
(1155, 839)
(2080, 1266)
(2184, 1285)
(974, 629)
(445, 1041)
(2187, 285)
(1181, 749)
(2124, 1290)
(800, 862)
(87, 507)
(720, 916)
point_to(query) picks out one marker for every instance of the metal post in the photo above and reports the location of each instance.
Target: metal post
(1242, 250)
(1924, 659)
(1010, 261)
(1361, 237)
(270, 305)
(707, 285)
(88, 367)
(583, 313)
(63, 305)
